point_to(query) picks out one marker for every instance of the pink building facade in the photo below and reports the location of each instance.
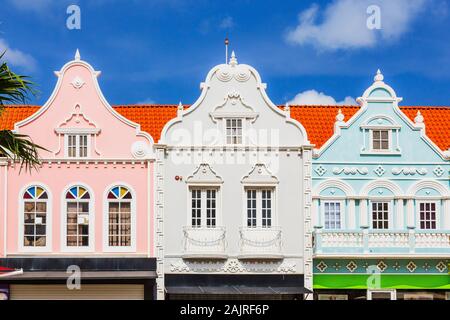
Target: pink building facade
(90, 202)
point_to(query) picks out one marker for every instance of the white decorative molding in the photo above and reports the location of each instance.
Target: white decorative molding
(234, 106)
(334, 183)
(233, 266)
(140, 150)
(204, 175)
(381, 183)
(179, 266)
(350, 170)
(438, 171)
(77, 82)
(259, 175)
(379, 170)
(409, 171)
(233, 70)
(320, 170)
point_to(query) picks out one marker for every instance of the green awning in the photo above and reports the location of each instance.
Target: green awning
(387, 281)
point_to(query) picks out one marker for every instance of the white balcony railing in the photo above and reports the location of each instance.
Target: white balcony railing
(260, 243)
(204, 242)
(337, 239)
(379, 239)
(389, 239)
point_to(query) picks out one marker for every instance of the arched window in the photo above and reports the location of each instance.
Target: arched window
(77, 217)
(119, 217)
(35, 206)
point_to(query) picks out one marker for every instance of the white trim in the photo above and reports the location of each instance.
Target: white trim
(77, 146)
(391, 210)
(381, 183)
(94, 74)
(63, 218)
(364, 103)
(134, 210)
(49, 225)
(438, 219)
(206, 85)
(341, 213)
(78, 131)
(334, 183)
(274, 207)
(203, 189)
(432, 184)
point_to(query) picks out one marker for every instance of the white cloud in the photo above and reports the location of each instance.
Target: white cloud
(343, 23)
(146, 101)
(31, 5)
(227, 23)
(17, 58)
(312, 97)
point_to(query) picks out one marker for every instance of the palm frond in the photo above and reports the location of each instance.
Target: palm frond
(19, 147)
(14, 88)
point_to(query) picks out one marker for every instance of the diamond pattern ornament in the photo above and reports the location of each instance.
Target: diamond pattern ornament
(321, 266)
(379, 170)
(441, 266)
(351, 266)
(382, 266)
(411, 266)
(320, 170)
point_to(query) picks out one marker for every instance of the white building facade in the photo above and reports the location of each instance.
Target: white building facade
(233, 183)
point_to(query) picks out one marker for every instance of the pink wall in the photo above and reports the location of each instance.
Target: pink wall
(96, 177)
(77, 103)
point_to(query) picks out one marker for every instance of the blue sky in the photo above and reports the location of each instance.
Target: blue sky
(160, 50)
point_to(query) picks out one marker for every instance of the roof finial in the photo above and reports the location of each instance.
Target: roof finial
(379, 77)
(419, 118)
(180, 109)
(77, 55)
(287, 108)
(340, 116)
(233, 60)
(226, 49)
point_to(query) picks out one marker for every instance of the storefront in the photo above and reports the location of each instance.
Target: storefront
(389, 279)
(80, 279)
(235, 287)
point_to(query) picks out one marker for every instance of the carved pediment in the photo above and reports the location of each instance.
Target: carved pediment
(204, 175)
(77, 121)
(234, 106)
(259, 175)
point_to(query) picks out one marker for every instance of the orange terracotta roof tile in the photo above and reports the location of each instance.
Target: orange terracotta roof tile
(317, 120)
(12, 114)
(152, 118)
(437, 123)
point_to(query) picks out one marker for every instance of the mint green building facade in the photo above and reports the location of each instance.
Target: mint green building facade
(381, 206)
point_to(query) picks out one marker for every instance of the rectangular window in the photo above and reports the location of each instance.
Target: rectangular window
(77, 146)
(332, 213)
(427, 215)
(234, 131)
(380, 215)
(204, 207)
(380, 140)
(266, 208)
(251, 208)
(35, 221)
(210, 208)
(77, 224)
(119, 223)
(259, 208)
(196, 207)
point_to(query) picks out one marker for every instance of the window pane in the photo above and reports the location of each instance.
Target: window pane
(380, 215)
(427, 215)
